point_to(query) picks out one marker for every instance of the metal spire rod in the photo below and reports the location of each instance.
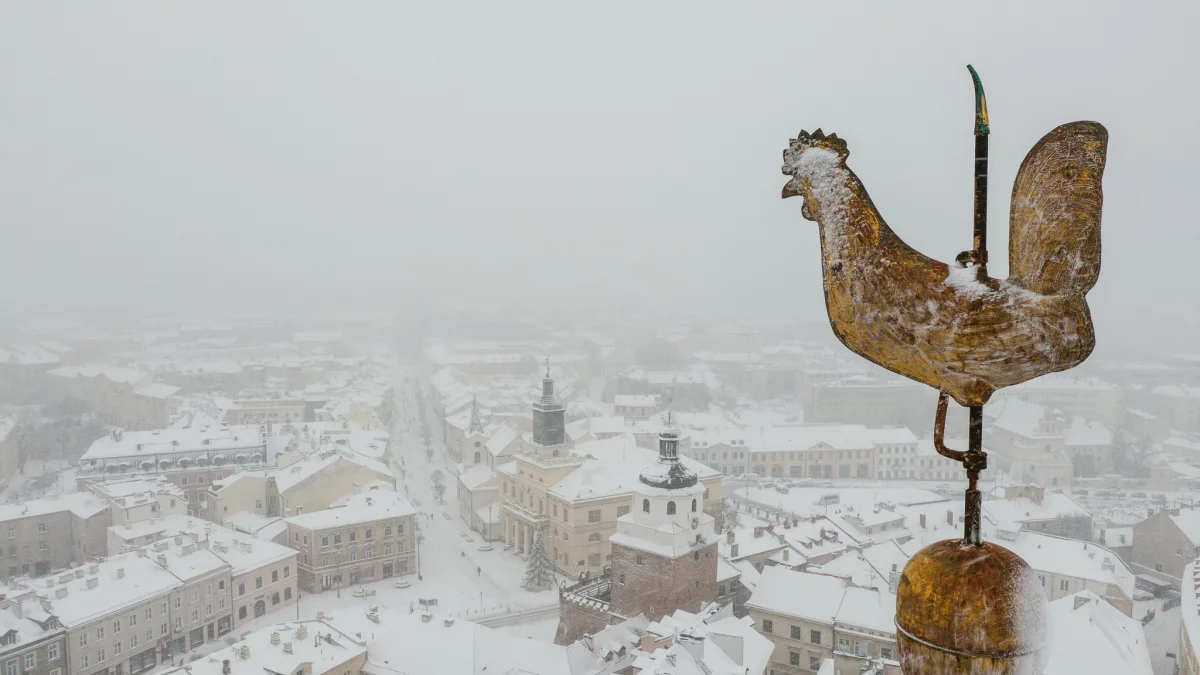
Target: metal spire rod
(974, 460)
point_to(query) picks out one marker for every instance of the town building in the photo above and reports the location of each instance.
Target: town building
(268, 407)
(136, 499)
(1065, 567)
(1166, 542)
(813, 450)
(664, 552)
(309, 484)
(32, 640)
(116, 613)
(1036, 444)
(191, 458)
(201, 605)
(295, 648)
(866, 400)
(1087, 397)
(896, 453)
(373, 536)
(635, 406)
(1188, 657)
(119, 396)
(812, 617)
(45, 535)
(1180, 404)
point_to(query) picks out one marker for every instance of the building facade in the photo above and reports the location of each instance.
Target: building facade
(374, 536)
(44, 535)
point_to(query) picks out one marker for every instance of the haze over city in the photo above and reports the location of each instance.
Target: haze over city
(460, 338)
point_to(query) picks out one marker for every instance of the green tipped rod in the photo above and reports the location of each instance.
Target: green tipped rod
(981, 115)
(979, 254)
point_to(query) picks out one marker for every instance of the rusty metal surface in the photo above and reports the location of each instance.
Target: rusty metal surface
(969, 609)
(940, 324)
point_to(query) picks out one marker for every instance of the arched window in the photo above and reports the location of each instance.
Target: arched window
(693, 506)
(670, 508)
(646, 505)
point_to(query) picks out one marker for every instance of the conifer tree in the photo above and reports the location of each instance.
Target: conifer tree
(539, 572)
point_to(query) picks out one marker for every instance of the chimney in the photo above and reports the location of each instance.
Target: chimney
(287, 647)
(785, 555)
(274, 637)
(93, 582)
(733, 550)
(320, 615)
(922, 521)
(245, 653)
(302, 632)
(162, 560)
(225, 670)
(893, 580)
(120, 572)
(61, 592)
(729, 537)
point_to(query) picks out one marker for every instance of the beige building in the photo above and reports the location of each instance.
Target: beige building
(813, 450)
(32, 640)
(373, 536)
(1040, 445)
(576, 497)
(813, 617)
(263, 409)
(310, 484)
(869, 401)
(1166, 542)
(44, 535)
(136, 499)
(201, 605)
(116, 614)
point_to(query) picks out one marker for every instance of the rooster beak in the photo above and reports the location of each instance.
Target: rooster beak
(792, 188)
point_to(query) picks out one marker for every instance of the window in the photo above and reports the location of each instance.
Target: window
(133, 619)
(274, 576)
(794, 658)
(814, 663)
(195, 615)
(594, 560)
(843, 644)
(117, 647)
(12, 533)
(183, 481)
(242, 612)
(337, 539)
(638, 559)
(860, 649)
(258, 504)
(149, 635)
(768, 626)
(274, 598)
(287, 570)
(30, 660)
(100, 633)
(149, 613)
(207, 590)
(287, 593)
(797, 633)
(399, 528)
(885, 653)
(163, 629)
(52, 652)
(324, 541)
(645, 506)
(84, 661)
(133, 641)
(693, 506)
(41, 528)
(1063, 585)
(594, 516)
(670, 508)
(241, 589)
(814, 637)
(258, 582)
(117, 626)
(41, 546)
(101, 655)
(178, 601)
(595, 536)
(622, 510)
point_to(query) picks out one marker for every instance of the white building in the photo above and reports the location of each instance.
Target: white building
(1088, 635)
(307, 647)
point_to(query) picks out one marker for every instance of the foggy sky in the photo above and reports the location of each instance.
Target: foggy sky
(181, 158)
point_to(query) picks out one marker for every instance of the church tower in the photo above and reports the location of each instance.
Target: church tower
(664, 553)
(549, 416)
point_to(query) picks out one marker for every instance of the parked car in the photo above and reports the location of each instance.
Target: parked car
(781, 489)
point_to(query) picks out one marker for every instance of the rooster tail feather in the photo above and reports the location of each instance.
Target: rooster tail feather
(1054, 221)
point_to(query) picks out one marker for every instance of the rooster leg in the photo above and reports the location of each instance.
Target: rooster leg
(974, 460)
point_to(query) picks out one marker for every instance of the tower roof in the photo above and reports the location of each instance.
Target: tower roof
(669, 473)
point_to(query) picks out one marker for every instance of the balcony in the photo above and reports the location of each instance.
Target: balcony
(526, 513)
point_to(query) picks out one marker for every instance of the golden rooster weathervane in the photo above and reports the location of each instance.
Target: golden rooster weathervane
(966, 334)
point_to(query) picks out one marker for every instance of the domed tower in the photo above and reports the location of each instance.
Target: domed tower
(664, 553)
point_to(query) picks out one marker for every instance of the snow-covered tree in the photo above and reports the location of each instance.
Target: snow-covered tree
(727, 517)
(539, 573)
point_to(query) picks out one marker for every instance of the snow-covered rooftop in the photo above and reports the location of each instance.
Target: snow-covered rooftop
(798, 594)
(364, 507)
(176, 440)
(119, 582)
(312, 647)
(82, 504)
(1088, 635)
(448, 646)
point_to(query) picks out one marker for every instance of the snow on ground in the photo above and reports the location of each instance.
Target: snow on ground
(39, 478)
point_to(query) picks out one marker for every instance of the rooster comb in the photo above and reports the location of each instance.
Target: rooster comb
(818, 139)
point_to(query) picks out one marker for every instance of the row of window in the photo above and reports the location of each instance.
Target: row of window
(53, 653)
(258, 581)
(368, 534)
